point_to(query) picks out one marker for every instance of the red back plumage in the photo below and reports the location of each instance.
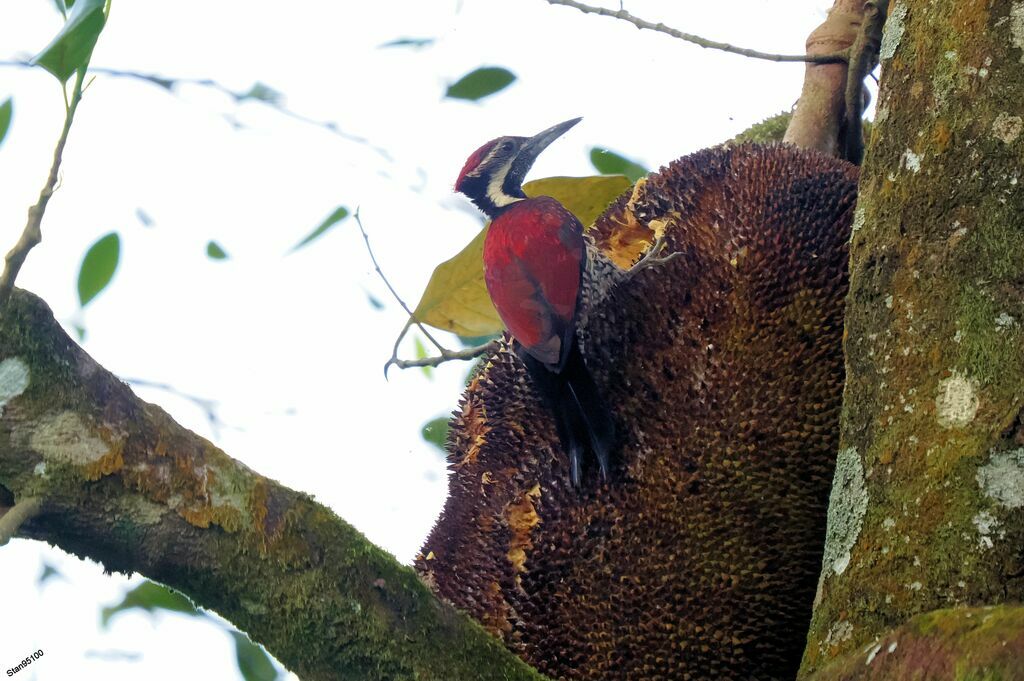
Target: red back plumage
(533, 259)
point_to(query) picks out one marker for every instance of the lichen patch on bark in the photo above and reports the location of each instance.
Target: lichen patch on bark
(1002, 478)
(847, 504)
(893, 32)
(957, 401)
(1017, 27)
(1007, 127)
(14, 378)
(64, 437)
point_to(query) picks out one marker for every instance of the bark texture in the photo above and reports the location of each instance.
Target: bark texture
(724, 370)
(123, 484)
(927, 510)
(960, 644)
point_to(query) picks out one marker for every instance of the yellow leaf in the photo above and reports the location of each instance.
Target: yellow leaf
(585, 197)
(456, 298)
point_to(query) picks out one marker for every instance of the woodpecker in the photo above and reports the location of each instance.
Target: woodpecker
(535, 256)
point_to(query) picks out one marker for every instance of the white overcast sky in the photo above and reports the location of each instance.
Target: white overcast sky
(289, 347)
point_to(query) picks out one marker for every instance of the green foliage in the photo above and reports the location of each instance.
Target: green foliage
(253, 661)
(471, 341)
(262, 93)
(609, 163)
(72, 47)
(435, 431)
(98, 266)
(6, 110)
(215, 252)
(150, 596)
(48, 573)
(456, 297)
(421, 353)
(480, 83)
(771, 129)
(415, 43)
(339, 214)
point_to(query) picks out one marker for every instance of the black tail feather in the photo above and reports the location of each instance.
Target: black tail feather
(581, 415)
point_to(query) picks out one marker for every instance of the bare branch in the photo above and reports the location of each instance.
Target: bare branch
(33, 234)
(207, 406)
(465, 354)
(15, 516)
(863, 59)
(171, 84)
(622, 14)
(446, 354)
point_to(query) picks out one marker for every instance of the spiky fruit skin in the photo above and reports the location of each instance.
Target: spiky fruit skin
(724, 369)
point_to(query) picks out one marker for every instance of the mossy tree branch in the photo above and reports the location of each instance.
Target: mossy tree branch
(120, 482)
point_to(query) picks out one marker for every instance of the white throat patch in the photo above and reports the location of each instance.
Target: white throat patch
(495, 191)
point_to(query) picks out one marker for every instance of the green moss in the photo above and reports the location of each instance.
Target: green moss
(983, 347)
(771, 129)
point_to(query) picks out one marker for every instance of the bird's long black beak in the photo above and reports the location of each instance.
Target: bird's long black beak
(541, 140)
(533, 146)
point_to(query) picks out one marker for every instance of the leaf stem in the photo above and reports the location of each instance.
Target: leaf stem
(446, 354)
(32, 234)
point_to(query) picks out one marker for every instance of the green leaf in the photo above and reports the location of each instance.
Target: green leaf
(253, 661)
(478, 84)
(144, 217)
(6, 109)
(473, 341)
(98, 265)
(609, 163)
(415, 43)
(150, 596)
(339, 214)
(456, 297)
(71, 48)
(215, 252)
(421, 353)
(48, 573)
(262, 93)
(373, 300)
(435, 432)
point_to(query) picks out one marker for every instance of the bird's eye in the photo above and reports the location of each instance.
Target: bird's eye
(507, 146)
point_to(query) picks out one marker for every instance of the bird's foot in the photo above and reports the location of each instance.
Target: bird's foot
(653, 257)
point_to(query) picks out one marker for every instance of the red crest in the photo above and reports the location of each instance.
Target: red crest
(473, 161)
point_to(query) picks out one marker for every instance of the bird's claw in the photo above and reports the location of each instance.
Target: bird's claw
(653, 257)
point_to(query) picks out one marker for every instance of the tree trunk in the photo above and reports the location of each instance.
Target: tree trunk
(927, 508)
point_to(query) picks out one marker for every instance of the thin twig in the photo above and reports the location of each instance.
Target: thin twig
(208, 407)
(697, 40)
(33, 234)
(15, 516)
(171, 84)
(465, 354)
(446, 354)
(863, 59)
